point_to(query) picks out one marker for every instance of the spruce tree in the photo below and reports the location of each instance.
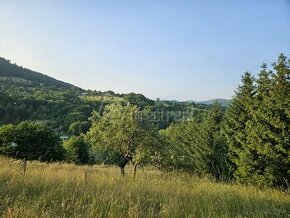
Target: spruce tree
(234, 128)
(268, 131)
(257, 130)
(257, 127)
(214, 145)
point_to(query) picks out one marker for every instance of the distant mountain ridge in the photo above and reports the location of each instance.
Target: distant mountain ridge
(222, 101)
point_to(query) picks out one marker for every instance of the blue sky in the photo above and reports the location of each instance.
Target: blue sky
(169, 49)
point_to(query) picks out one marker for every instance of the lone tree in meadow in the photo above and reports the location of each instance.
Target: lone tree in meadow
(122, 135)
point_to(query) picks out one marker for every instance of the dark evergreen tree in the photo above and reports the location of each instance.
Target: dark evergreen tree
(268, 131)
(199, 147)
(214, 145)
(257, 127)
(234, 128)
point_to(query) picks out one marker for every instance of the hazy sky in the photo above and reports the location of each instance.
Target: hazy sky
(171, 49)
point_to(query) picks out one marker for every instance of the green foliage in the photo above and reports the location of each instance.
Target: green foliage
(234, 126)
(214, 145)
(77, 150)
(182, 150)
(30, 141)
(139, 100)
(257, 127)
(78, 128)
(123, 133)
(27, 95)
(199, 146)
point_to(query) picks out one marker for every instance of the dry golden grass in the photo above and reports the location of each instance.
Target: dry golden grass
(64, 190)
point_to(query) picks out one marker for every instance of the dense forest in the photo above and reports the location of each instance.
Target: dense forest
(248, 141)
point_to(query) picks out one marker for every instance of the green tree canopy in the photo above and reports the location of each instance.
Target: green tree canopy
(257, 127)
(30, 141)
(198, 147)
(122, 134)
(77, 150)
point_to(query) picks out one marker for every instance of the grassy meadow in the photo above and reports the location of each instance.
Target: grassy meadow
(64, 190)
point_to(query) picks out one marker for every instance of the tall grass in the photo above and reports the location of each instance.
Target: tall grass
(63, 190)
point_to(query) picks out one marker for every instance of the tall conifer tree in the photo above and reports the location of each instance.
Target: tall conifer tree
(257, 130)
(234, 127)
(257, 127)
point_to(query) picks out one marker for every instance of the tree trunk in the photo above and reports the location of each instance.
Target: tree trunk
(122, 171)
(24, 166)
(123, 163)
(135, 170)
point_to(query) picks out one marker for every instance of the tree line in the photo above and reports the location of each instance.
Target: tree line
(248, 142)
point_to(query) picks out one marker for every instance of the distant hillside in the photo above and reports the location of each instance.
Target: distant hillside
(29, 95)
(14, 71)
(223, 102)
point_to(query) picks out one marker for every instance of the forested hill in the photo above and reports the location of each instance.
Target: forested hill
(15, 71)
(29, 95)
